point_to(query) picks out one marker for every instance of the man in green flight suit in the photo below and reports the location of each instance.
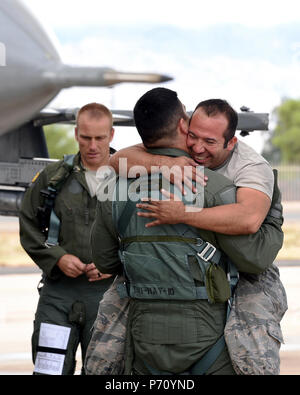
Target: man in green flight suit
(255, 220)
(172, 324)
(72, 285)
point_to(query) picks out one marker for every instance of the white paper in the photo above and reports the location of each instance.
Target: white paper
(52, 336)
(48, 363)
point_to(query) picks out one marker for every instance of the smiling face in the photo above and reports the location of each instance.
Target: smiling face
(206, 139)
(94, 135)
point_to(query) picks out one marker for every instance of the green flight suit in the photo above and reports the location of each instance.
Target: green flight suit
(168, 335)
(76, 210)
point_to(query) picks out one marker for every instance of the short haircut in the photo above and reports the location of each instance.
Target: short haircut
(156, 115)
(95, 110)
(219, 106)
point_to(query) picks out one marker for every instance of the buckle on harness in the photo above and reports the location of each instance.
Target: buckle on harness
(49, 245)
(205, 250)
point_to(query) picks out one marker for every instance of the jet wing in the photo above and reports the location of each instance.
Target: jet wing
(247, 121)
(49, 116)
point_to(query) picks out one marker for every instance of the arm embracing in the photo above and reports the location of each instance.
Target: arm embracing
(251, 253)
(135, 155)
(136, 161)
(256, 252)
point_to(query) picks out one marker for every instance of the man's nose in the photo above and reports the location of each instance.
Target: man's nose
(93, 144)
(199, 147)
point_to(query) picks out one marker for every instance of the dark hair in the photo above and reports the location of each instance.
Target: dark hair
(219, 106)
(156, 115)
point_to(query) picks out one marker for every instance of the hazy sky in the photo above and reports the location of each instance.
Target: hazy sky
(187, 14)
(245, 52)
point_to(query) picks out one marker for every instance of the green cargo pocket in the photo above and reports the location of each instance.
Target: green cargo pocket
(217, 285)
(165, 329)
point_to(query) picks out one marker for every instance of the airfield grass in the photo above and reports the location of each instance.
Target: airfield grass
(12, 253)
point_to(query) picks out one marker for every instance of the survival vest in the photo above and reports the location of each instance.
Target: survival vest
(163, 262)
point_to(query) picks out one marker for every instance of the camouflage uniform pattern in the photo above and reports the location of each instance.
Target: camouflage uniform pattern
(105, 353)
(252, 333)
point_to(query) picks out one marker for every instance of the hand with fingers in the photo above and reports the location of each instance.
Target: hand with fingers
(93, 273)
(170, 211)
(182, 171)
(71, 265)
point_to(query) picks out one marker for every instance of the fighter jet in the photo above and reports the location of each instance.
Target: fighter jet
(31, 75)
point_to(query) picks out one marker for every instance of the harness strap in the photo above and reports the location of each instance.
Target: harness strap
(207, 252)
(201, 366)
(275, 211)
(125, 216)
(162, 238)
(234, 277)
(54, 187)
(201, 293)
(53, 231)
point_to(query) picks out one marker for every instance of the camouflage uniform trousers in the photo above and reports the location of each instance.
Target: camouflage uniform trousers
(106, 350)
(252, 332)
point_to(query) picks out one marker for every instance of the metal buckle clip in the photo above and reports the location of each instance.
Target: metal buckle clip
(49, 245)
(205, 250)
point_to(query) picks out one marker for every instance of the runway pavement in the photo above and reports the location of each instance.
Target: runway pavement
(18, 300)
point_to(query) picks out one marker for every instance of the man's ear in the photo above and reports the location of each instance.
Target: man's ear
(112, 132)
(183, 126)
(76, 133)
(231, 143)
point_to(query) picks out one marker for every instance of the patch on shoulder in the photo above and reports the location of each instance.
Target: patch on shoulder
(35, 177)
